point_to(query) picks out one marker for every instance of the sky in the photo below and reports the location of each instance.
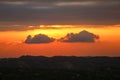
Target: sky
(59, 27)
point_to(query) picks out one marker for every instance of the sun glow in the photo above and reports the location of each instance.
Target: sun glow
(13, 41)
(61, 30)
(57, 26)
(109, 33)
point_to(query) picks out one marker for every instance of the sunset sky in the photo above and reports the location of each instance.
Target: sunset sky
(59, 28)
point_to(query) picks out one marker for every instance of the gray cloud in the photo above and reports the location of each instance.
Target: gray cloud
(40, 38)
(17, 27)
(83, 36)
(29, 12)
(31, 27)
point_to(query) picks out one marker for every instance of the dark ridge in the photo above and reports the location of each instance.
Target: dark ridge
(60, 68)
(61, 62)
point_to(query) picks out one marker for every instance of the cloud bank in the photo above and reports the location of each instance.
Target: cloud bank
(17, 27)
(83, 36)
(60, 11)
(40, 38)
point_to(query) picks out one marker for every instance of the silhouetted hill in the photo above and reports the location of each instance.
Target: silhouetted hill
(60, 68)
(61, 62)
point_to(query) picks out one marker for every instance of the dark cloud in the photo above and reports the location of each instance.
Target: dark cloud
(40, 38)
(17, 27)
(28, 27)
(83, 36)
(36, 12)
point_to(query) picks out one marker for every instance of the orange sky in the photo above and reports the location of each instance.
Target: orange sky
(11, 42)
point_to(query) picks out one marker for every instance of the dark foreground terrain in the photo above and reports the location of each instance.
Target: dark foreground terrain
(60, 68)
